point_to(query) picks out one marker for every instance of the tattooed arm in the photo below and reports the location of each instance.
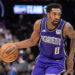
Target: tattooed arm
(33, 39)
(68, 31)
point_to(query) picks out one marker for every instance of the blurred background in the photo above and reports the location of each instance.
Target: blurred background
(17, 18)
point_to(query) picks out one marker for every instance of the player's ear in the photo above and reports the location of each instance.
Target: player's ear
(47, 15)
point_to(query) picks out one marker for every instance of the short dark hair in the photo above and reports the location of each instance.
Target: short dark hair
(53, 5)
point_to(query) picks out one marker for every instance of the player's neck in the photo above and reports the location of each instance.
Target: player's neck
(50, 26)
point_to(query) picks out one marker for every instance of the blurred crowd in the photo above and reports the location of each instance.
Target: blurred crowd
(25, 62)
(16, 29)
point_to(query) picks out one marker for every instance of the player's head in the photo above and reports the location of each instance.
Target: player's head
(53, 11)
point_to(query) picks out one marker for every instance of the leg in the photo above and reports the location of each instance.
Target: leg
(12, 72)
(38, 71)
(53, 70)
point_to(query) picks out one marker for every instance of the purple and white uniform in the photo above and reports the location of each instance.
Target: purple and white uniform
(52, 55)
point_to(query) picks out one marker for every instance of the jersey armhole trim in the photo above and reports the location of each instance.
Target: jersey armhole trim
(62, 31)
(40, 31)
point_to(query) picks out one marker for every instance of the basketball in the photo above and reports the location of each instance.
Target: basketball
(8, 52)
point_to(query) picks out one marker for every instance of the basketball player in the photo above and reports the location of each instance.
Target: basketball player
(51, 31)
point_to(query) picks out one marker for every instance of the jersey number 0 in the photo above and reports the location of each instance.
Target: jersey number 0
(57, 50)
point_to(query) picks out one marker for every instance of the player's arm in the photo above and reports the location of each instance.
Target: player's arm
(69, 31)
(33, 39)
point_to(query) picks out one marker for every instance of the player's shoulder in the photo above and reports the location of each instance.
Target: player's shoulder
(37, 23)
(68, 24)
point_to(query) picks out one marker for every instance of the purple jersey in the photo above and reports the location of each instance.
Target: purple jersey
(51, 42)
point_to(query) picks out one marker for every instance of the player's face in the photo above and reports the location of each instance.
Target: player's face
(54, 16)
